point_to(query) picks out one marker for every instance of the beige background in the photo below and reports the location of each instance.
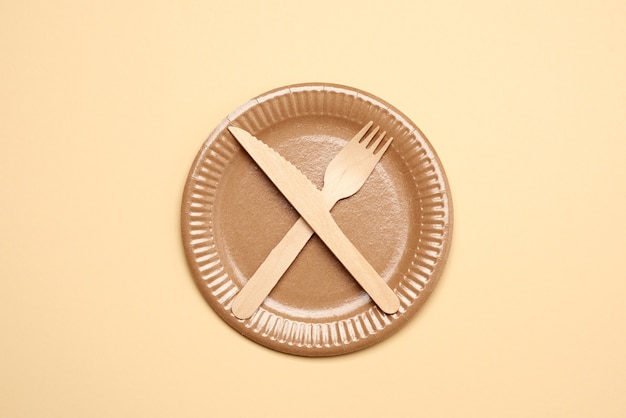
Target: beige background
(104, 106)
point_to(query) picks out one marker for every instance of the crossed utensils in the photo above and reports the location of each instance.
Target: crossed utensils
(344, 176)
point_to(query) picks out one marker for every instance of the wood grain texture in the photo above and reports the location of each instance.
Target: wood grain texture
(311, 204)
(344, 176)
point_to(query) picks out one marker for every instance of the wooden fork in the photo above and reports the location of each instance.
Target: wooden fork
(344, 176)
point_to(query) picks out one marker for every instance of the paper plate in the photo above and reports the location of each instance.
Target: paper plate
(400, 220)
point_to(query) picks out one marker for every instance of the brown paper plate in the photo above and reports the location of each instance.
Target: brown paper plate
(232, 217)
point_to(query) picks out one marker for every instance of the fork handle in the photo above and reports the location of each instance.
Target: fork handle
(254, 292)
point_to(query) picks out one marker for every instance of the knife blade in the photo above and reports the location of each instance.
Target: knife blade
(310, 203)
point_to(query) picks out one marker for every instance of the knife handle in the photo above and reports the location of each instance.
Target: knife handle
(252, 295)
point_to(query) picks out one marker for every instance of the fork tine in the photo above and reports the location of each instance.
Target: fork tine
(361, 133)
(384, 147)
(376, 142)
(369, 137)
